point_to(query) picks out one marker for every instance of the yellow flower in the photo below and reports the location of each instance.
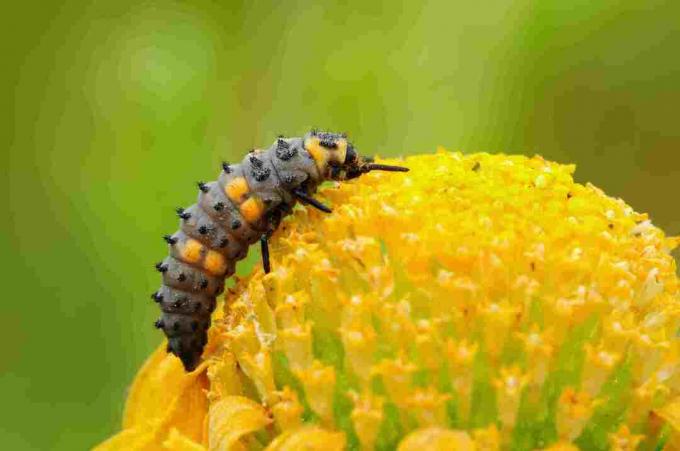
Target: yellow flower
(479, 301)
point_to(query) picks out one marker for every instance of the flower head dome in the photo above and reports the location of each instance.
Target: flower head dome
(479, 301)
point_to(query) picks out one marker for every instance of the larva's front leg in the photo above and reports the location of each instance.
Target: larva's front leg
(306, 199)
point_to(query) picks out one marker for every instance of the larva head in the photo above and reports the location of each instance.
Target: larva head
(336, 158)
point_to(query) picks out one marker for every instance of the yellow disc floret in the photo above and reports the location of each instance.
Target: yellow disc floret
(478, 301)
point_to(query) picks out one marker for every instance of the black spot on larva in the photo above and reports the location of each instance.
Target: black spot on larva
(161, 267)
(226, 168)
(569, 195)
(256, 162)
(168, 348)
(203, 229)
(170, 239)
(224, 242)
(235, 224)
(219, 206)
(261, 174)
(204, 284)
(203, 187)
(611, 226)
(284, 151)
(476, 166)
(156, 296)
(159, 324)
(328, 144)
(183, 214)
(182, 277)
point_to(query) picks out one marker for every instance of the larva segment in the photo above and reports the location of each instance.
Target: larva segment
(263, 184)
(293, 164)
(262, 177)
(213, 234)
(176, 324)
(199, 255)
(195, 254)
(237, 225)
(183, 302)
(232, 242)
(183, 276)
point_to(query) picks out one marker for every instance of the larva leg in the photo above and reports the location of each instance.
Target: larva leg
(264, 245)
(305, 199)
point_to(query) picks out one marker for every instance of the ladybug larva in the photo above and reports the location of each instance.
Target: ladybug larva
(244, 205)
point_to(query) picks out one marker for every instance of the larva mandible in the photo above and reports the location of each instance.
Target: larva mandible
(244, 205)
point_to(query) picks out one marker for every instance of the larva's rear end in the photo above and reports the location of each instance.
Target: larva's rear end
(213, 236)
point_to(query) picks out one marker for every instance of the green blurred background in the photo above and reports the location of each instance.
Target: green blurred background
(115, 109)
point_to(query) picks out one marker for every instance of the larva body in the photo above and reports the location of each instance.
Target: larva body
(244, 205)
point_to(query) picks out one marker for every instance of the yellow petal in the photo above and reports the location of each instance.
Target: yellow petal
(163, 393)
(309, 439)
(178, 442)
(434, 439)
(137, 439)
(232, 418)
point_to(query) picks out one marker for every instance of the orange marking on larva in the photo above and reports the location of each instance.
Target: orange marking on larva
(191, 251)
(215, 263)
(341, 151)
(236, 189)
(318, 152)
(252, 209)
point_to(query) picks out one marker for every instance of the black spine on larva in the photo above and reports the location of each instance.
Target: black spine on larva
(214, 226)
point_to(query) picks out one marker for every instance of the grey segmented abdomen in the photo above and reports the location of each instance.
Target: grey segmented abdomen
(215, 233)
